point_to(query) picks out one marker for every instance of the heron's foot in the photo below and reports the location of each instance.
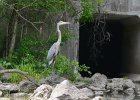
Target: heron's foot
(53, 73)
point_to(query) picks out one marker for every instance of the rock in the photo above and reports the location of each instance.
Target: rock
(52, 80)
(93, 88)
(4, 98)
(12, 88)
(116, 84)
(99, 80)
(137, 88)
(128, 84)
(130, 97)
(80, 85)
(19, 96)
(0, 93)
(64, 97)
(65, 88)
(58, 99)
(26, 86)
(99, 93)
(122, 97)
(115, 93)
(98, 98)
(2, 87)
(42, 92)
(129, 91)
(120, 84)
(86, 91)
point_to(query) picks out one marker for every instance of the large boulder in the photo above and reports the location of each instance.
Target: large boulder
(129, 91)
(52, 80)
(99, 80)
(116, 84)
(128, 84)
(19, 96)
(9, 87)
(42, 92)
(4, 98)
(67, 89)
(26, 86)
(121, 84)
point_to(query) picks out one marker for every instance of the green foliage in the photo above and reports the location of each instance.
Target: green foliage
(125, 77)
(84, 68)
(65, 67)
(89, 9)
(29, 68)
(29, 50)
(38, 70)
(31, 8)
(6, 63)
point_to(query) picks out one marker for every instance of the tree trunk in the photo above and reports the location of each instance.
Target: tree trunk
(12, 44)
(11, 33)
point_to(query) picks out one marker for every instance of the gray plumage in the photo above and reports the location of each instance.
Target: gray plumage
(52, 53)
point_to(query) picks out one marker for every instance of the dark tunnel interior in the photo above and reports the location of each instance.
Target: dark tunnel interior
(109, 59)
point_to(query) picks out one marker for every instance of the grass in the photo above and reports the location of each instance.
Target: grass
(32, 71)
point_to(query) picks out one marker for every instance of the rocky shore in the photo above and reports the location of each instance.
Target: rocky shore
(98, 87)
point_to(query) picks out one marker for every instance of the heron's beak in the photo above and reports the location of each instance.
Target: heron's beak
(67, 23)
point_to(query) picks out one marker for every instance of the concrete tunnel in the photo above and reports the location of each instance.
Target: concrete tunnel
(119, 56)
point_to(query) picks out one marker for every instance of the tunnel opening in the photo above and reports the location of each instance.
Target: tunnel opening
(108, 60)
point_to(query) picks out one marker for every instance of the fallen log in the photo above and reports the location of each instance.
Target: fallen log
(19, 72)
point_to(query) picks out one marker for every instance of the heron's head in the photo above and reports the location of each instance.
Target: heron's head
(62, 23)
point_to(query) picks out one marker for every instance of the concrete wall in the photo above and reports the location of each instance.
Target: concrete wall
(71, 48)
(122, 5)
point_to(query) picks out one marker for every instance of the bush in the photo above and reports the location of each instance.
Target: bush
(69, 69)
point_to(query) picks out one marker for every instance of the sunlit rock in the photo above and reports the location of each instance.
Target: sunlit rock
(98, 98)
(99, 80)
(67, 89)
(42, 92)
(19, 96)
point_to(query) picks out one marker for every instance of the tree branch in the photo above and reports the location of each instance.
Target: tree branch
(27, 6)
(19, 72)
(22, 16)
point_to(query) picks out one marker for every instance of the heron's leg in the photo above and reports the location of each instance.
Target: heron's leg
(53, 69)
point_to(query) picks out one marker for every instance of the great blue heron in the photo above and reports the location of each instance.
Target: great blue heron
(53, 51)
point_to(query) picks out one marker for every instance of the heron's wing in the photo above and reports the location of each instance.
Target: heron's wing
(53, 51)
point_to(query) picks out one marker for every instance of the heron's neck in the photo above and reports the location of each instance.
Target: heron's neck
(59, 34)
